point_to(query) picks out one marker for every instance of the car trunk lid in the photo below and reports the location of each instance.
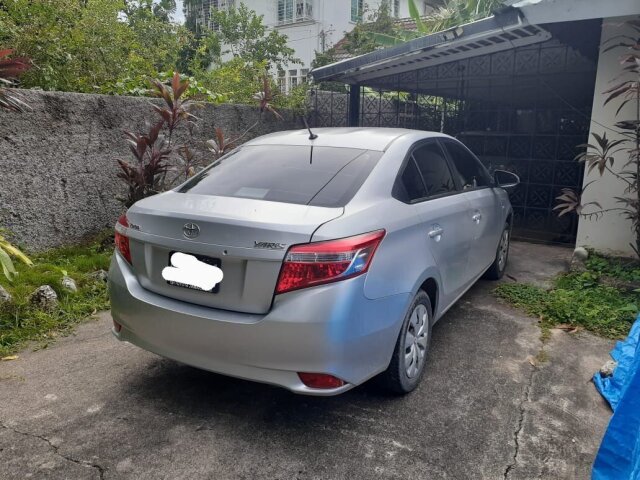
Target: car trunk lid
(247, 238)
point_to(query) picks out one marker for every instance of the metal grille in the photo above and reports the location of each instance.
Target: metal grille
(292, 11)
(202, 12)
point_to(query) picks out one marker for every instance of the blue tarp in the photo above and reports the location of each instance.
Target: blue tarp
(619, 454)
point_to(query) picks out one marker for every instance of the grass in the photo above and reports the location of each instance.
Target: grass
(618, 269)
(581, 299)
(20, 322)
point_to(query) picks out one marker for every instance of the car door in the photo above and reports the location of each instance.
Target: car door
(484, 215)
(432, 191)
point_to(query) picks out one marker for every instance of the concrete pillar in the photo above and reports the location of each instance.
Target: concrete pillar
(611, 233)
(354, 105)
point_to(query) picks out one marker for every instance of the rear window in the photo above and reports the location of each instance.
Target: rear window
(319, 176)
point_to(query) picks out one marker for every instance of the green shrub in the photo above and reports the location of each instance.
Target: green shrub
(21, 322)
(577, 299)
(620, 269)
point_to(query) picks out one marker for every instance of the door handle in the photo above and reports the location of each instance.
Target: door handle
(477, 217)
(436, 232)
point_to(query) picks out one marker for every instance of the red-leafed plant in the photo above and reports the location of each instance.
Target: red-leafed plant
(154, 152)
(10, 70)
(600, 154)
(221, 144)
(144, 176)
(265, 97)
(160, 163)
(175, 109)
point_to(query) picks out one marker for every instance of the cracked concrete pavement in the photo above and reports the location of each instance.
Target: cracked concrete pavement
(90, 407)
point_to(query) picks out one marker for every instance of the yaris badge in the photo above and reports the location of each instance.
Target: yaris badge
(191, 230)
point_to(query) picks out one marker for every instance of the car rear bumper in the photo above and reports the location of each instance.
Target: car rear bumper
(331, 329)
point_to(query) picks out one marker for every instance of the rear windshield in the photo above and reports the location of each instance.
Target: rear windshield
(319, 176)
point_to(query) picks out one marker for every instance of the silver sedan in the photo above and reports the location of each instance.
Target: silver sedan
(312, 263)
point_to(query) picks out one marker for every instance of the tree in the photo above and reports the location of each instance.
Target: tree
(365, 37)
(237, 79)
(199, 53)
(88, 45)
(243, 34)
(162, 9)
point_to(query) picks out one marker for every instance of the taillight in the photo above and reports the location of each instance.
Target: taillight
(320, 380)
(121, 240)
(316, 263)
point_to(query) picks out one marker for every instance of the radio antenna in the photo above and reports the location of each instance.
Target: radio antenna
(312, 136)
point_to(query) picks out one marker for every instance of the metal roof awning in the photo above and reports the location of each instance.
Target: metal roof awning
(506, 30)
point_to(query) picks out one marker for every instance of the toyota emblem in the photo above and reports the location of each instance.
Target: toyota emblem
(191, 230)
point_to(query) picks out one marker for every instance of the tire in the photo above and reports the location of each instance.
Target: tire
(499, 265)
(399, 377)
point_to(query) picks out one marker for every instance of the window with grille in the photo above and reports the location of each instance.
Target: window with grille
(291, 11)
(394, 7)
(293, 78)
(357, 7)
(217, 5)
(282, 81)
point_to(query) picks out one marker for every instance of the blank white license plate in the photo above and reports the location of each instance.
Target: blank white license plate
(192, 271)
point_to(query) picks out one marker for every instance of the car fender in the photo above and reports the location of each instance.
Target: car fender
(399, 263)
(434, 273)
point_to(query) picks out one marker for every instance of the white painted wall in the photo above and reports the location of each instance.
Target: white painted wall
(611, 233)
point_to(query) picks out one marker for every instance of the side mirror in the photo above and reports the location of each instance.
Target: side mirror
(506, 180)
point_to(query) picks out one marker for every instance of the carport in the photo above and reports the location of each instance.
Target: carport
(517, 94)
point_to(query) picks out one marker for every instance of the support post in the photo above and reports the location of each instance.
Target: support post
(354, 105)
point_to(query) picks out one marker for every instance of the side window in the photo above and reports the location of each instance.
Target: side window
(411, 186)
(468, 169)
(434, 169)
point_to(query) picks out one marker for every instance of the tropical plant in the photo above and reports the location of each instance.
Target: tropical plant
(144, 177)
(237, 79)
(220, 144)
(265, 97)
(159, 162)
(175, 110)
(10, 69)
(152, 152)
(245, 35)
(6, 252)
(601, 154)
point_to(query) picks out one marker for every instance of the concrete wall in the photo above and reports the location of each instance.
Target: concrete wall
(612, 233)
(58, 166)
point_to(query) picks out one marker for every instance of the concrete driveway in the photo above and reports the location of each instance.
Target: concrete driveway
(90, 407)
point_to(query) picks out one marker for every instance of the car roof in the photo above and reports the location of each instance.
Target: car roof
(365, 138)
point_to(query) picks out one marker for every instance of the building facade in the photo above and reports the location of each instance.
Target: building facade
(310, 25)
